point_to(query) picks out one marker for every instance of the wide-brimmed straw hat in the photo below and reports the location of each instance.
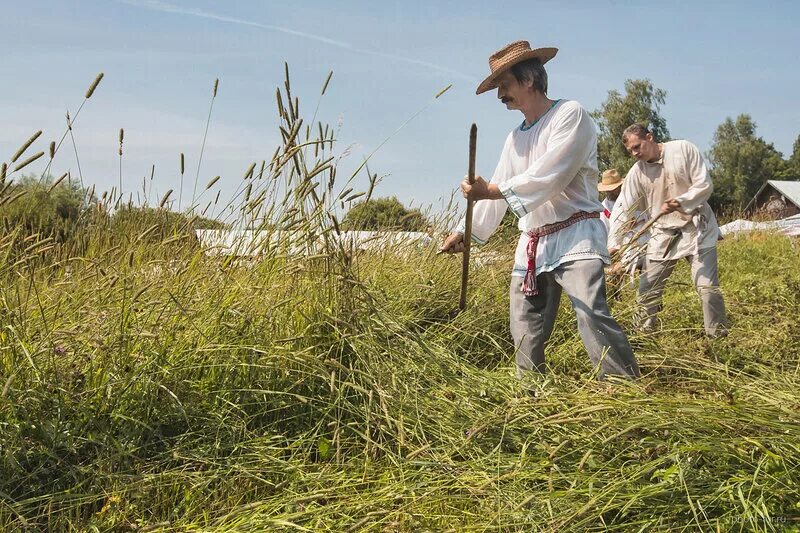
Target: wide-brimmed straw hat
(510, 55)
(609, 181)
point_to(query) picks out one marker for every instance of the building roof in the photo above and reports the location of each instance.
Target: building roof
(789, 189)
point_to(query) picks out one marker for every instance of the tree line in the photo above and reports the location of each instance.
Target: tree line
(63, 210)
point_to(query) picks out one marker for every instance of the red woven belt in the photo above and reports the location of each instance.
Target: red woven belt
(529, 283)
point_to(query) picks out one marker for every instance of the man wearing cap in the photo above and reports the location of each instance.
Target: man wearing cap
(670, 181)
(547, 176)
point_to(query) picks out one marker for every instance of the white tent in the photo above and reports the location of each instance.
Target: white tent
(787, 226)
(249, 243)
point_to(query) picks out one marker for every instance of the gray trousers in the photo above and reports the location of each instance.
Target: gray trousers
(533, 317)
(705, 276)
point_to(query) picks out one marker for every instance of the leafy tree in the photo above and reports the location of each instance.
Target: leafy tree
(33, 205)
(741, 162)
(641, 103)
(794, 161)
(134, 220)
(382, 214)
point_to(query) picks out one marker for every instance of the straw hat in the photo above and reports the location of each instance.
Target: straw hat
(610, 180)
(510, 55)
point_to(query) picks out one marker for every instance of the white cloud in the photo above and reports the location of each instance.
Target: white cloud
(158, 5)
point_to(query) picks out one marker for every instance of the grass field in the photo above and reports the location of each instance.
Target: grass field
(146, 386)
(337, 393)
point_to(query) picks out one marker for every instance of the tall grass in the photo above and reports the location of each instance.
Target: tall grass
(147, 386)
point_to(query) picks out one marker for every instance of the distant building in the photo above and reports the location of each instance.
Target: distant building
(776, 200)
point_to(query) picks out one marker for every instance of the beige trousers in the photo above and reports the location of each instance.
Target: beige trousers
(705, 276)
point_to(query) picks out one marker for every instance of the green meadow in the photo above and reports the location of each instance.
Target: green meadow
(148, 386)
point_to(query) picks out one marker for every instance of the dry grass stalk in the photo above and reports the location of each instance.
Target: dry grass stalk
(203, 144)
(286, 83)
(440, 93)
(212, 182)
(249, 172)
(281, 110)
(165, 198)
(354, 196)
(335, 222)
(89, 93)
(180, 190)
(93, 86)
(327, 81)
(28, 161)
(14, 198)
(321, 167)
(5, 188)
(25, 146)
(55, 183)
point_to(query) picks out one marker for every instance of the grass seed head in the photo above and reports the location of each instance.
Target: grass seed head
(55, 183)
(249, 172)
(93, 86)
(165, 198)
(327, 81)
(440, 93)
(25, 146)
(28, 161)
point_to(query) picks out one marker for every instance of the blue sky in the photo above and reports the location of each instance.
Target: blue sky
(160, 58)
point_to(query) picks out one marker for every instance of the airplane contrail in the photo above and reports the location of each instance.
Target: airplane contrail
(158, 5)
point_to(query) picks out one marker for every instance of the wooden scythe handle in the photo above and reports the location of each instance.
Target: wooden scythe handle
(473, 140)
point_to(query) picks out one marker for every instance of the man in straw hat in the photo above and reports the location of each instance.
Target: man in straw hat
(670, 179)
(611, 185)
(547, 176)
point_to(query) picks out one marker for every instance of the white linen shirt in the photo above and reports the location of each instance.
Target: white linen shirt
(547, 173)
(680, 174)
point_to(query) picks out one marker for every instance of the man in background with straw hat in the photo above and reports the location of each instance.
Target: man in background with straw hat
(610, 183)
(670, 181)
(547, 176)
(633, 258)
